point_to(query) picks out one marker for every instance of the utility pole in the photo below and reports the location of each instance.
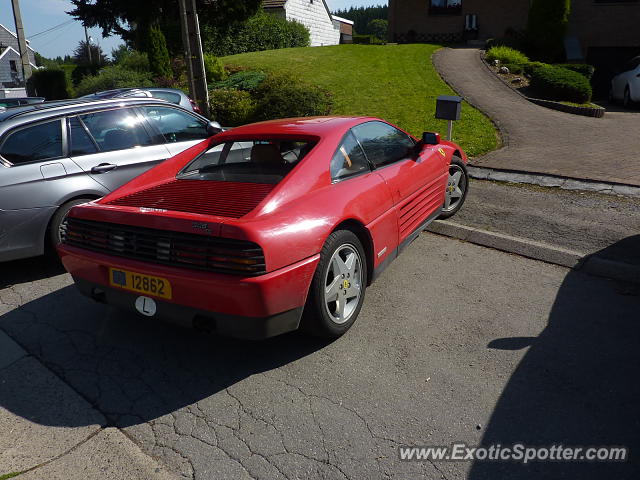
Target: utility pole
(22, 43)
(192, 46)
(86, 36)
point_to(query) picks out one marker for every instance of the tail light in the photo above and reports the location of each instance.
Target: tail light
(195, 106)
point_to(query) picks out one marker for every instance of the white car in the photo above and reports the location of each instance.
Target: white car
(626, 85)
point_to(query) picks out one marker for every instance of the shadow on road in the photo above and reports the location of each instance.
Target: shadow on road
(578, 383)
(131, 368)
(29, 270)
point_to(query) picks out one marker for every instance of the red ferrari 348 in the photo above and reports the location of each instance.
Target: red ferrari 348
(265, 228)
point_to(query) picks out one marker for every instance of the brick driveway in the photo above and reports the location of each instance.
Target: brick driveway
(537, 139)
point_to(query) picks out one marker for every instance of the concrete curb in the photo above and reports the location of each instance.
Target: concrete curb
(545, 180)
(590, 264)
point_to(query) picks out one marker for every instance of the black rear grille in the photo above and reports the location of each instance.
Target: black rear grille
(177, 249)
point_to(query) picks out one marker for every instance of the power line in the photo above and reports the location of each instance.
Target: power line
(52, 28)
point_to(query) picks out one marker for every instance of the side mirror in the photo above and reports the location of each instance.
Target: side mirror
(430, 138)
(213, 128)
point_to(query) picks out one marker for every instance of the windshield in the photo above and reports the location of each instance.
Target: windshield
(253, 161)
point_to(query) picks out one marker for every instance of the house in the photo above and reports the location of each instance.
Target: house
(603, 33)
(313, 14)
(10, 63)
(346, 28)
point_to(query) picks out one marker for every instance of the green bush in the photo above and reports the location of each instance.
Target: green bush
(134, 60)
(231, 107)
(582, 68)
(113, 77)
(243, 80)
(81, 71)
(214, 68)
(284, 96)
(546, 29)
(531, 66)
(156, 47)
(50, 83)
(557, 83)
(507, 55)
(261, 32)
(514, 68)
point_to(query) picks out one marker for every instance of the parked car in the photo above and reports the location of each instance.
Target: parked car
(625, 86)
(172, 95)
(59, 154)
(251, 228)
(15, 102)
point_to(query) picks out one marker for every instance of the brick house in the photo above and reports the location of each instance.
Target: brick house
(10, 63)
(602, 32)
(313, 14)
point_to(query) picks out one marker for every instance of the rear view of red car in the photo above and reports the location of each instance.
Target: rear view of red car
(267, 227)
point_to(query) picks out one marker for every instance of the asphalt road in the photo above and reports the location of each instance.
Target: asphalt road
(455, 343)
(582, 221)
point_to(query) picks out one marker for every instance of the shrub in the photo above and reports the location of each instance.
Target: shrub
(531, 66)
(113, 77)
(557, 83)
(134, 60)
(285, 96)
(261, 32)
(81, 71)
(231, 107)
(546, 29)
(582, 68)
(514, 68)
(156, 47)
(50, 83)
(244, 80)
(507, 55)
(214, 68)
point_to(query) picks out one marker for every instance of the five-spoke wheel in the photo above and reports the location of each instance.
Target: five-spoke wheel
(456, 189)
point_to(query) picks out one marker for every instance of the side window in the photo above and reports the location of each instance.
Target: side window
(116, 129)
(348, 160)
(168, 96)
(30, 144)
(176, 125)
(80, 141)
(383, 143)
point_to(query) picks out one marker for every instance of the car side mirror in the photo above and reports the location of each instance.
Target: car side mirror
(428, 138)
(213, 128)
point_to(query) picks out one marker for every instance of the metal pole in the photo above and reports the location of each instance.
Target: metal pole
(22, 42)
(86, 36)
(450, 130)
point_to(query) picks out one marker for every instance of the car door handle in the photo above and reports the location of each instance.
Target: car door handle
(103, 168)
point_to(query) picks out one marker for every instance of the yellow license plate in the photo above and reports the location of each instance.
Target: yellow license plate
(140, 283)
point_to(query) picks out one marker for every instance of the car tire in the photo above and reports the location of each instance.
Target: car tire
(341, 274)
(58, 217)
(457, 188)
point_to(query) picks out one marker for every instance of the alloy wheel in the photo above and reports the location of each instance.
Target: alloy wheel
(456, 186)
(343, 284)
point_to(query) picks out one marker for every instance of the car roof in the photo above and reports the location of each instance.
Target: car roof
(39, 111)
(311, 126)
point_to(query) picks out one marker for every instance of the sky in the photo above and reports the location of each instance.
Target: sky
(41, 15)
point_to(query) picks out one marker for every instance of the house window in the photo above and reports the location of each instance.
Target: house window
(445, 7)
(13, 66)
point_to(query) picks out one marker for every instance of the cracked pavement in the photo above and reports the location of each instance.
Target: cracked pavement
(455, 342)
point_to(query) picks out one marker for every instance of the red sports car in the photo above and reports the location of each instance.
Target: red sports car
(267, 227)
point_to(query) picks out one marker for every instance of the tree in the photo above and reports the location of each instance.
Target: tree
(156, 47)
(81, 55)
(120, 52)
(378, 27)
(546, 28)
(130, 19)
(362, 16)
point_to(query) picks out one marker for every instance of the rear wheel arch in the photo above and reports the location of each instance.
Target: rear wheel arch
(47, 240)
(365, 238)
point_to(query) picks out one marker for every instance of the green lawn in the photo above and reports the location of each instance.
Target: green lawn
(394, 82)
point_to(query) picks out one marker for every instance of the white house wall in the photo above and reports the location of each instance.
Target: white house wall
(314, 16)
(5, 67)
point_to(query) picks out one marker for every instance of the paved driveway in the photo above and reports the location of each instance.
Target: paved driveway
(541, 140)
(455, 343)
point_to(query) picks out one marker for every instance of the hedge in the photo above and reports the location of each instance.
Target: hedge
(582, 68)
(113, 77)
(231, 107)
(546, 29)
(557, 83)
(50, 83)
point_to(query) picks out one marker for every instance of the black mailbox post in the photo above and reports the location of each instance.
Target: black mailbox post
(448, 108)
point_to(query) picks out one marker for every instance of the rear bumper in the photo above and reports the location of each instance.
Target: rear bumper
(251, 308)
